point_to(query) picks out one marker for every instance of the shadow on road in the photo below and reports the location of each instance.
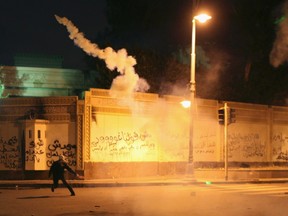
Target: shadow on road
(40, 197)
(100, 213)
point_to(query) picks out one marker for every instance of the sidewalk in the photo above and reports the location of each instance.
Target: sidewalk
(125, 182)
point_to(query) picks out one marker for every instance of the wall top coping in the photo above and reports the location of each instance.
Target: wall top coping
(34, 121)
(37, 69)
(150, 97)
(95, 92)
(40, 101)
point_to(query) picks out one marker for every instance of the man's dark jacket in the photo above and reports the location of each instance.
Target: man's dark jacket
(58, 167)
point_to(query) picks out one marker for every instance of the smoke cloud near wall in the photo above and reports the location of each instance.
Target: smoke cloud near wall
(279, 52)
(128, 81)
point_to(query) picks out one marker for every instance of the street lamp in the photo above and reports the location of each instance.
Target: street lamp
(201, 18)
(186, 103)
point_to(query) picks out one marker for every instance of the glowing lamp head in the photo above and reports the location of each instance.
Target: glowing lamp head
(202, 18)
(186, 103)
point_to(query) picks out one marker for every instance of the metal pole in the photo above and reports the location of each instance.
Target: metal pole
(192, 92)
(225, 139)
(193, 59)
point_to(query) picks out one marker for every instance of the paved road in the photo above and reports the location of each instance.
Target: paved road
(196, 200)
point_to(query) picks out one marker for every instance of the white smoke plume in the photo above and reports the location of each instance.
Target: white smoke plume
(124, 84)
(279, 53)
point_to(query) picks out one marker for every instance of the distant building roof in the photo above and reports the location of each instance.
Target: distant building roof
(38, 60)
(40, 82)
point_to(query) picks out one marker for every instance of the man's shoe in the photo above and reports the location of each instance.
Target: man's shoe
(52, 189)
(72, 194)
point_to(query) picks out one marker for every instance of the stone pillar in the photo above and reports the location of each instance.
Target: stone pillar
(35, 144)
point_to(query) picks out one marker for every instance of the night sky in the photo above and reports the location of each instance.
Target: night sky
(236, 42)
(30, 27)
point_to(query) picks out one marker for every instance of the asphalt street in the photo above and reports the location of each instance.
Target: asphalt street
(167, 200)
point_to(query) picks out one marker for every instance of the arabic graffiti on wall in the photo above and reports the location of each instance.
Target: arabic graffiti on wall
(280, 146)
(9, 153)
(35, 151)
(246, 146)
(38, 152)
(206, 145)
(123, 144)
(56, 148)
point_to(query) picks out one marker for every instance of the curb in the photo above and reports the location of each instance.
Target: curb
(36, 185)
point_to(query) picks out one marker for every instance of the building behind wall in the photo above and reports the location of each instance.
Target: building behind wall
(43, 75)
(40, 82)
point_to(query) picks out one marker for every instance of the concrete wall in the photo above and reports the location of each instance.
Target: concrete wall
(10, 146)
(149, 135)
(133, 134)
(32, 144)
(143, 135)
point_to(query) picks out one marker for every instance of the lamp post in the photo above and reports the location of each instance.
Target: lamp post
(201, 18)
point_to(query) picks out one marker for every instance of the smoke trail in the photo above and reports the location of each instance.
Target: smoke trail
(279, 53)
(124, 84)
